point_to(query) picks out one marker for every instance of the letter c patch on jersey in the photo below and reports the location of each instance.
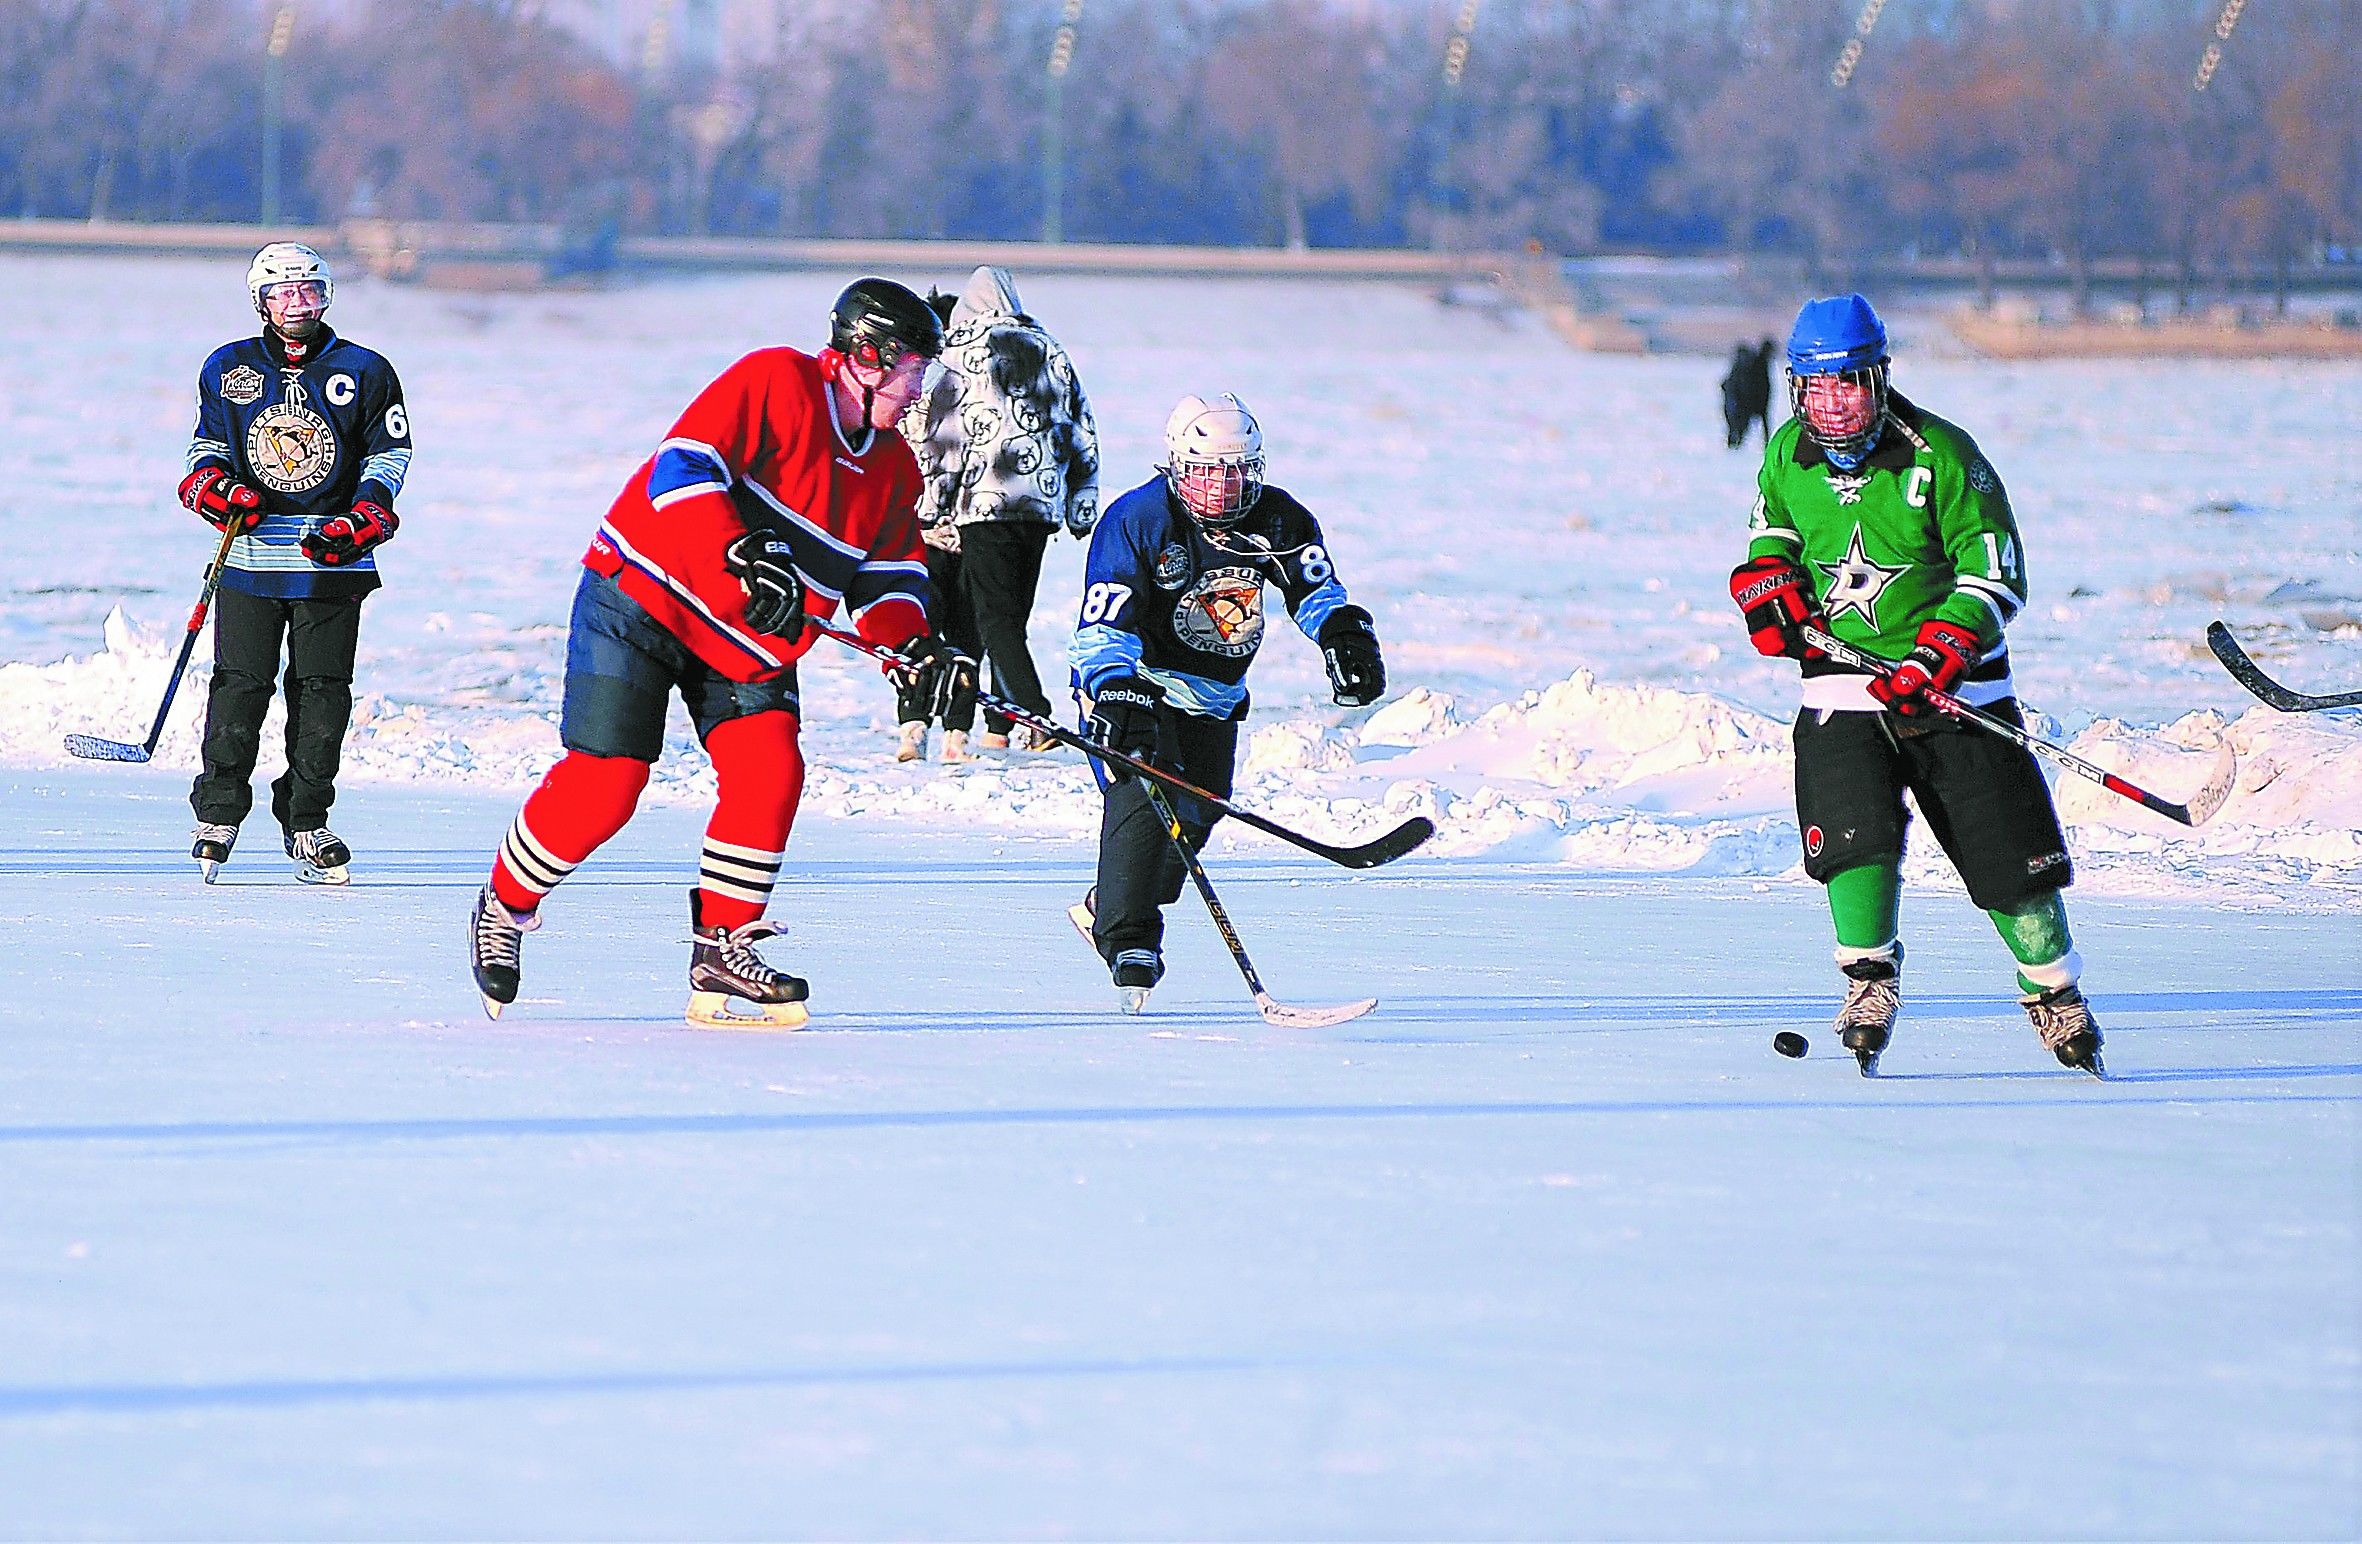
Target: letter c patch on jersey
(340, 390)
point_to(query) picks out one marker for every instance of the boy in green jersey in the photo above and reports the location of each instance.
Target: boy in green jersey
(1883, 525)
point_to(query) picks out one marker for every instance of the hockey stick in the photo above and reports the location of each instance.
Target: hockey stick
(1273, 1011)
(89, 746)
(2247, 673)
(1371, 854)
(2201, 808)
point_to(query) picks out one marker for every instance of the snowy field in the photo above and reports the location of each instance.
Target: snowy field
(292, 1242)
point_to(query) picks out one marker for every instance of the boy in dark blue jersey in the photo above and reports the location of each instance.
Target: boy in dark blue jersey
(302, 441)
(1171, 618)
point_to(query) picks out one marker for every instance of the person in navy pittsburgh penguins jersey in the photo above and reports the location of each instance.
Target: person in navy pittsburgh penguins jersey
(1172, 616)
(302, 441)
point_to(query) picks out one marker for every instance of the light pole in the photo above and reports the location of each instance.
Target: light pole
(1441, 183)
(1054, 127)
(274, 91)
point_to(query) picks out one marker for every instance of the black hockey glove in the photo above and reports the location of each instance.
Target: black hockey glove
(1349, 643)
(928, 673)
(1124, 720)
(766, 565)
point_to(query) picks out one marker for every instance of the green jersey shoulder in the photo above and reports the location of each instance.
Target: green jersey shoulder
(1921, 530)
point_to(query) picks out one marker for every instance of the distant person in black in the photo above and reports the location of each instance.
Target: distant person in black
(1746, 392)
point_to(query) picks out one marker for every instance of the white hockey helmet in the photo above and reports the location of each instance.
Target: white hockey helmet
(1214, 458)
(287, 262)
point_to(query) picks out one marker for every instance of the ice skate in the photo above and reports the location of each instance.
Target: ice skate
(992, 740)
(1866, 1019)
(913, 744)
(955, 745)
(1136, 973)
(495, 935)
(212, 847)
(730, 987)
(1025, 737)
(321, 857)
(1084, 914)
(2063, 1019)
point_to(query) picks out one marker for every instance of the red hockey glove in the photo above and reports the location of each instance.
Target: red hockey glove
(342, 538)
(1778, 604)
(213, 493)
(1936, 662)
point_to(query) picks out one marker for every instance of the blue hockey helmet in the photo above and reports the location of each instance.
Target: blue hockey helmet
(1839, 339)
(1835, 335)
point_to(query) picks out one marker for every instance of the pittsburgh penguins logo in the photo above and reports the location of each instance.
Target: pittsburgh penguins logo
(1222, 613)
(291, 448)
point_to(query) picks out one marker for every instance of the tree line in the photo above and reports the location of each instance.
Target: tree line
(2061, 129)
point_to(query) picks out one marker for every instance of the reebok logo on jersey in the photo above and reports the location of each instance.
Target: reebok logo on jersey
(2045, 862)
(850, 466)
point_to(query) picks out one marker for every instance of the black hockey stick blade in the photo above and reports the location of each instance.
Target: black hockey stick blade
(2271, 693)
(91, 748)
(1403, 839)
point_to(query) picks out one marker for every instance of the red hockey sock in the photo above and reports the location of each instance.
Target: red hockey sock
(760, 766)
(581, 802)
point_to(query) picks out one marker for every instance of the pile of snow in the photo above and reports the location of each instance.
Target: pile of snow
(1600, 777)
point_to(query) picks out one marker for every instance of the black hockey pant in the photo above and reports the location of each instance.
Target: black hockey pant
(321, 636)
(1000, 569)
(1138, 870)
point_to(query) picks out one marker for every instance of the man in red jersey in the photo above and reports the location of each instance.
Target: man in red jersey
(782, 491)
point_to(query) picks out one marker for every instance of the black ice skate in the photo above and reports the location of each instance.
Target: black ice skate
(494, 936)
(1873, 996)
(1136, 973)
(2063, 1019)
(321, 857)
(212, 847)
(729, 985)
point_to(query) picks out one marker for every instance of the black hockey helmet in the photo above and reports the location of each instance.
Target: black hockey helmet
(875, 322)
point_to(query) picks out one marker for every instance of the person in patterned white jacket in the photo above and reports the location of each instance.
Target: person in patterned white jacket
(1009, 452)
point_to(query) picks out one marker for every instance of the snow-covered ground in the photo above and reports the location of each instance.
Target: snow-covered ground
(293, 1242)
(1543, 535)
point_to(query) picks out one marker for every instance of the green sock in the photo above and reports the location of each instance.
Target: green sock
(2036, 933)
(1866, 903)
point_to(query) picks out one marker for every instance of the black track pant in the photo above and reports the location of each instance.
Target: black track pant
(1000, 568)
(1138, 869)
(320, 638)
(955, 623)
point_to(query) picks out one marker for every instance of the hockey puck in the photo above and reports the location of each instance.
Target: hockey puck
(1789, 1043)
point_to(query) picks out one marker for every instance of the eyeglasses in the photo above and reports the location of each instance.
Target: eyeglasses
(291, 290)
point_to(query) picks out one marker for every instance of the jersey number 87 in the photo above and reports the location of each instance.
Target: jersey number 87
(1102, 602)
